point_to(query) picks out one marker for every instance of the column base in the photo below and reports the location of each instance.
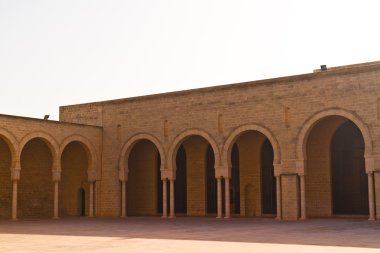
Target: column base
(371, 219)
(55, 218)
(278, 218)
(219, 217)
(125, 216)
(171, 217)
(227, 217)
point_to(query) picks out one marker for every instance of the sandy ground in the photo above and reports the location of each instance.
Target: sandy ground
(146, 234)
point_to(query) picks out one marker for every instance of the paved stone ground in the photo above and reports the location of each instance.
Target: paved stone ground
(189, 235)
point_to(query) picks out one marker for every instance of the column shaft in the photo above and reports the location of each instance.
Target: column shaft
(123, 199)
(91, 208)
(303, 197)
(56, 199)
(171, 198)
(371, 197)
(219, 187)
(227, 195)
(14, 200)
(278, 198)
(164, 199)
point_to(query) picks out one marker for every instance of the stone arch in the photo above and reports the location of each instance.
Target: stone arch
(187, 133)
(50, 142)
(127, 147)
(317, 117)
(88, 147)
(12, 143)
(226, 158)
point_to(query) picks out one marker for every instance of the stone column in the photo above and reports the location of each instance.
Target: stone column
(278, 197)
(371, 197)
(219, 187)
(164, 198)
(15, 177)
(123, 198)
(56, 185)
(303, 197)
(56, 180)
(301, 171)
(227, 196)
(91, 208)
(171, 198)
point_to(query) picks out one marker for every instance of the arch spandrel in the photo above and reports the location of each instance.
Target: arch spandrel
(127, 147)
(185, 134)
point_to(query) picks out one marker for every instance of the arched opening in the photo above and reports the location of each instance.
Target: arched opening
(144, 193)
(195, 186)
(74, 185)
(35, 189)
(5, 180)
(335, 182)
(253, 184)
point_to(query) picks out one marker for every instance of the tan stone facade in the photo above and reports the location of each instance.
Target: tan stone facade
(291, 148)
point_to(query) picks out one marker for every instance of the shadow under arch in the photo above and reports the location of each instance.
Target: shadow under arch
(49, 140)
(235, 134)
(309, 124)
(88, 147)
(128, 146)
(180, 138)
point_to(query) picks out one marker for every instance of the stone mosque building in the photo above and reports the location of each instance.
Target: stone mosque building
(290, 148)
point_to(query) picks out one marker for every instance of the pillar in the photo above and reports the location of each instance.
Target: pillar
(227, 196)
(91, 208)
(278, 197)
(171, 198)
(371, 197)
(14, 200)
(219, 196)
(15, 177)
(164, 198)
(123, 199)
(303, 197)
(56, 188)
(56, 180)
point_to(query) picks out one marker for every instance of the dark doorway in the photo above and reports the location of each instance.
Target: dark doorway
(350, 185)
(235, 180)
(268, 183)
(82, 202)
(211, 181)
(180, 186)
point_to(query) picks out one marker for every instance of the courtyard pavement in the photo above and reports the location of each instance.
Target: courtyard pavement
(184, 234)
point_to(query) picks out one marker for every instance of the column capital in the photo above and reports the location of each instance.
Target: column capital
(369, 164)
(277, 169)
(15, 173)
(123, 175)
(222, 171)
(57, 175)
(91, 175)
(168, 174)
(301, 167)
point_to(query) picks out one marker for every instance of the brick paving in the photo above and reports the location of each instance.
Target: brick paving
(182, 234)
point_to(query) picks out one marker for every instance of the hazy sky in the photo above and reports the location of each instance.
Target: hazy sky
(66, 52)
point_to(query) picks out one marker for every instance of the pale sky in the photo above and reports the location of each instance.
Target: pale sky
(65, 52)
